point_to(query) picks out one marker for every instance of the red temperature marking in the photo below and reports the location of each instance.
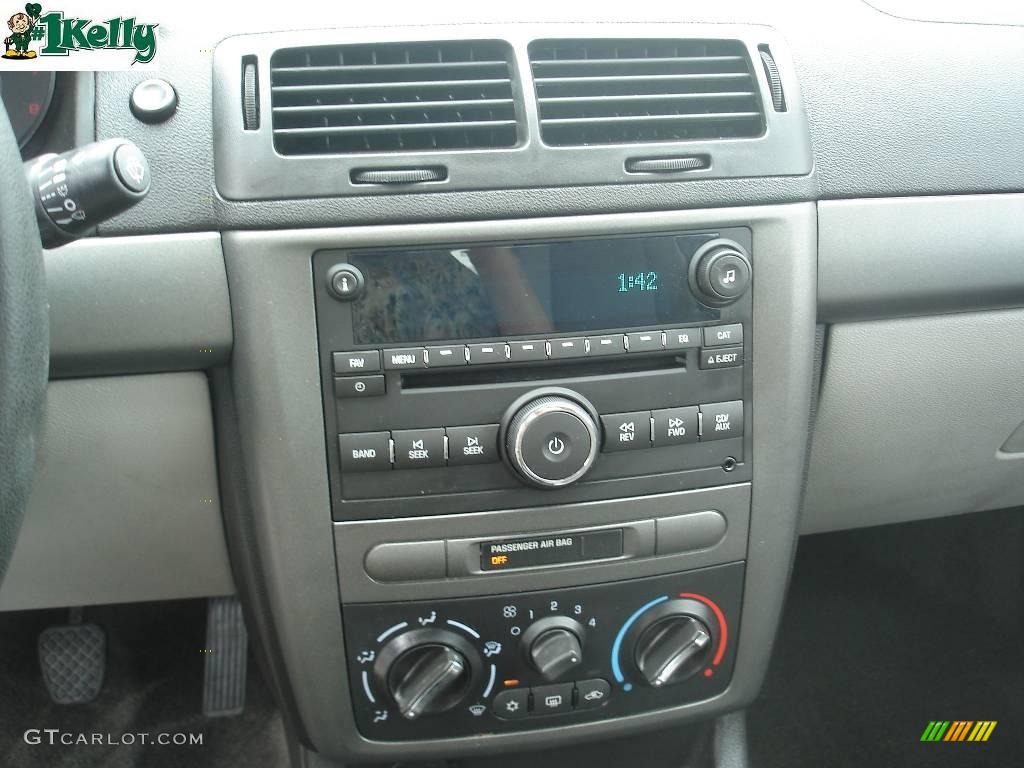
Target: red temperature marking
(34, 107)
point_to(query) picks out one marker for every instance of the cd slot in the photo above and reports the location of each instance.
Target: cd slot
(473, 377)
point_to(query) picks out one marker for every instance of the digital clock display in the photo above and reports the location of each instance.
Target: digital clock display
(641, 281)
(525, 289)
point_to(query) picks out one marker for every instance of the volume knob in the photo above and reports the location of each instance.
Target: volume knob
(552, 440)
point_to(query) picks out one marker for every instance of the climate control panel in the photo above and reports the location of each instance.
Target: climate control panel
(464, 666)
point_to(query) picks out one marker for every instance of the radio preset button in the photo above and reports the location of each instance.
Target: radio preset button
(645, 341)
(721, 420)
(627, 431)
(359, 386)
(527, 351)
(356, 362)
(400, 359)
(365, 451)
(725, 357)
(484, 354)
(613, 344)
(418, 448)
(675, 426)
(472, 445)
(682, 338)
(565, 348)
(446, 357)
(723, 335)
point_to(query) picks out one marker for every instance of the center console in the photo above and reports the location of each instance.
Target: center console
(553, 386)
(534, 477)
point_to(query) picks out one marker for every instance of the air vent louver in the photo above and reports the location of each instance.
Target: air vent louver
(639, 91)
(393, 97)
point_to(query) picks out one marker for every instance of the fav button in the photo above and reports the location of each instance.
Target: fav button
(552, 699)
(472, 445)
(418, 448)
(356, 362)
(627, 431)
(591, 694)
(723, 335)
(512, 704)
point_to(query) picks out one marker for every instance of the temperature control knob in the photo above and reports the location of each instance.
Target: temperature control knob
(720, 273)
(554, 646)
(427, 672)
(674, 642)
(551, 438)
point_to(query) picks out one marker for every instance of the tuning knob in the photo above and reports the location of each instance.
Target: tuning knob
(551, 438)
(674, 642)
(427, 672)
(720, 273)
(554, 646)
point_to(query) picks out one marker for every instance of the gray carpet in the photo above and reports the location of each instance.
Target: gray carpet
(888, 628)
(154, 685)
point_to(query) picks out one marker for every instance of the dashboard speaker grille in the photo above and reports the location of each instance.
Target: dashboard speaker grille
(393, 97)
(640, 91)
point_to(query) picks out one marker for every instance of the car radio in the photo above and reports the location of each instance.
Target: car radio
(464, 377)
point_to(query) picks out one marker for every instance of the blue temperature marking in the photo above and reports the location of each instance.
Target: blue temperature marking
(617, 645)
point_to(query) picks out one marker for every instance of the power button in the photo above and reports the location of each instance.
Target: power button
(551, 441)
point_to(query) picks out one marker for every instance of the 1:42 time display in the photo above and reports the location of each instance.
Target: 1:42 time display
(639, 281)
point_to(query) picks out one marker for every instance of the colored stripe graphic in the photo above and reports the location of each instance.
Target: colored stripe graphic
(982, 730)
(935, 730)
(958, 730)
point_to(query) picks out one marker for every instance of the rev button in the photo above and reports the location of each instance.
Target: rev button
(627, 431)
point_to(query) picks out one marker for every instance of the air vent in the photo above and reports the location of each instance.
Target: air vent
(392, 97)
(638, 91)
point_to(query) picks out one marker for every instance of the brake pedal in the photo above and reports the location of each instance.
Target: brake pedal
(227, 647)
(73, 658)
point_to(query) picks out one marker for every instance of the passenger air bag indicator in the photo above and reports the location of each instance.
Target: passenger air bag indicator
(552, 549)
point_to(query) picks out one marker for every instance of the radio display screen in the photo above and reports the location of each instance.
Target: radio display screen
(494, 291)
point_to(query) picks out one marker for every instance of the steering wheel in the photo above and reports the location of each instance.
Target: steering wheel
(24, 340)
